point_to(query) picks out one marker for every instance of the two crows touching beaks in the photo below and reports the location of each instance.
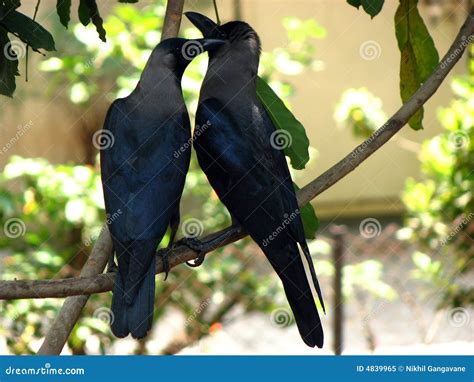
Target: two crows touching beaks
(143, 177)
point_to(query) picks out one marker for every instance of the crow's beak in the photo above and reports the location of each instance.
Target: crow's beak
(208, 28)
(211, 44)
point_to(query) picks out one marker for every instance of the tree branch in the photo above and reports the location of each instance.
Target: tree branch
(71, 310)
(173, 15)
(180, 254)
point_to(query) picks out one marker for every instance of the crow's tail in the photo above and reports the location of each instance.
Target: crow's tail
(135, 317)
(289, 267)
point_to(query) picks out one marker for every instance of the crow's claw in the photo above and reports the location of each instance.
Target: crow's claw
(197, 261)
(197, 246)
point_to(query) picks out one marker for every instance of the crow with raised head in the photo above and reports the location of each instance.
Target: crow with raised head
(249, 173)
(143, 171)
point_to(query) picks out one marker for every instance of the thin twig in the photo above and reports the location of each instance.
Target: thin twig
(218, 20)
(180, 254)
(27, 46)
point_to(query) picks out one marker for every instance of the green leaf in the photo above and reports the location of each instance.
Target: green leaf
(63, 8)
(284, 119)
(84, 13)
(88, 11)
(128, 1)
(419, 56)
(355, 3)
(309, 218)
(372, 7)
(8, 66)
(28, 31)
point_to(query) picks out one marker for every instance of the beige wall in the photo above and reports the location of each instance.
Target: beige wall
(374, 187)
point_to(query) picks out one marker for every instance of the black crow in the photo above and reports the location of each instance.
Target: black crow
(143, 172)
(248, 170)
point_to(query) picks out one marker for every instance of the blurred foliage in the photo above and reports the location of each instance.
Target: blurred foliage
(360, 111)
(61, 206)
(440, 207)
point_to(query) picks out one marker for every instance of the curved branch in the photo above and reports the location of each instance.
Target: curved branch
(180, 254)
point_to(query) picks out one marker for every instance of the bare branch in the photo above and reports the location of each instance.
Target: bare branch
(104, 282)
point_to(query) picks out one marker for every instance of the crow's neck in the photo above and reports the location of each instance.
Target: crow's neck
(228, 78)
(159, 82)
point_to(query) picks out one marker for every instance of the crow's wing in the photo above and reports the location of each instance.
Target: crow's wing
(142, 177)
(250, 175)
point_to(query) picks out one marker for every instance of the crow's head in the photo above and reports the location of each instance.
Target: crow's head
(239, 34)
